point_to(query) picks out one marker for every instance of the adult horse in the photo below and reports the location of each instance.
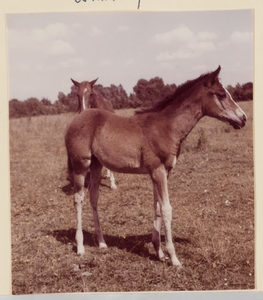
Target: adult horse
(89, 98)
(146, 143)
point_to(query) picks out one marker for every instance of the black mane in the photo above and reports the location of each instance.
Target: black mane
(176, 97)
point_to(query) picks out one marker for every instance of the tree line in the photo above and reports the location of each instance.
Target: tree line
(145, 93)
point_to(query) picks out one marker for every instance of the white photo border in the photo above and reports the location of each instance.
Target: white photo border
(49, 6)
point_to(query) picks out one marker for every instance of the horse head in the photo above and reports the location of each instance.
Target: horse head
(85, 91)
(218, 103)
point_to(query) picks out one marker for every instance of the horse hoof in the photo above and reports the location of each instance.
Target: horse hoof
(113, 187)
(178, 265)
(80, 250)
(103, 245)
(160, 255)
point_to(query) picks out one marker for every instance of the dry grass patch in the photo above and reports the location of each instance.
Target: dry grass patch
(211, 192)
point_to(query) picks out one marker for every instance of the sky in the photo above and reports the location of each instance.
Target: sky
(45, 50)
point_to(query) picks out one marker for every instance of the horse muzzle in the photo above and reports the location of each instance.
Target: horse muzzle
(240, 122)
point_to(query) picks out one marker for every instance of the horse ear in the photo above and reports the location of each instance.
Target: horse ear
(93, 81)
(75, 82)
(211, 78)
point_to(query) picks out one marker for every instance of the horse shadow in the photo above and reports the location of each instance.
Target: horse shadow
(136, 244)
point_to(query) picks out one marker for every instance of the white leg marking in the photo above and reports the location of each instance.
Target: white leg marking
(78, 202)
(112, 179)
(157, 224)
(108, 173)
(159, 178)
(112, 182)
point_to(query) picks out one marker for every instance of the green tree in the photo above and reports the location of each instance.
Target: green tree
(134, 101)
(152, 91)
(72, 99)
(34, 107)
(116, 94)
(46, 102)
(17, 109)
(248, 91)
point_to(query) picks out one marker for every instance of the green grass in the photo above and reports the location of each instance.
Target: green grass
(211, 192)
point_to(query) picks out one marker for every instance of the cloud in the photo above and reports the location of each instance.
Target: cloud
(40, 67)
(74, 62)
(106, 62)
(182, 33)
(18, 38)
(200, 68)
(24, 67)
(201, 46)
(188, 43)
(238, 37)
(77, 26)
(129, 62)
(59, 47)
(95, 31)
(67, 64)
(123, 28)
(50, 40)
(179, 54)
(188, 50)
(205, 35)
(25, 38)
(223, 44)
(167, 66)
(54, 30)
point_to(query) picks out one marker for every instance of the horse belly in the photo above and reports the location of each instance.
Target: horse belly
(119, 155)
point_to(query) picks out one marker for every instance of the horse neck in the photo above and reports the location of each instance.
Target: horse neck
(94, 100)
(102, 103)
(182, 118)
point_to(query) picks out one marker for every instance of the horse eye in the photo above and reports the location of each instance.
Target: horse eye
(221, 95)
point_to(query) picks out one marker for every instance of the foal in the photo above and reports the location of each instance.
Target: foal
(88, 98)
(152, 145)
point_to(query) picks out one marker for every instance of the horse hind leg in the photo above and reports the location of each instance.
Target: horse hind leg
(112, 180)
(79, 180)
(95, 179)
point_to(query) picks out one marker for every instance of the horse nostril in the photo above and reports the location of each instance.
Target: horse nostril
(244, 120)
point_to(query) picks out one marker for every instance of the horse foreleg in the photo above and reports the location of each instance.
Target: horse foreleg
(78, 203)
(159, 178)
(157, 224)
(95, 178)
(112, 180)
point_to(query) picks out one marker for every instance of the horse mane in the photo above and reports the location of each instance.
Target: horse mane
(176, 97)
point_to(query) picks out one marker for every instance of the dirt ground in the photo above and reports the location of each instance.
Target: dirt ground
(211, 191)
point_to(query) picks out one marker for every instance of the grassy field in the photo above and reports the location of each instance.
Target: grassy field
(212, 195)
